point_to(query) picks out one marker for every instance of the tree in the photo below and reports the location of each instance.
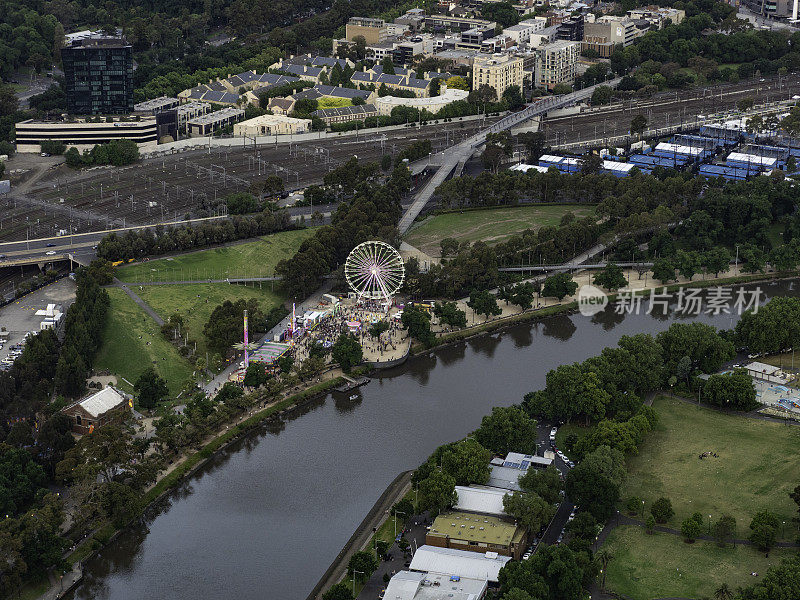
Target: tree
(716, 260)
(513, 96)
(534, 143)
(559, 286)
(449, 314)
(706, 349)
(795, 495)
(530, 510)
(437, 491)
(611, 277)
(507, 429)
(638, 125)
(347, 352)
(764, 530)
(724, 529)
(554, 572)
(338, 591)
(255, 375)
(591, 164)
(692, 527)
(467, 462)
(484, 303)
(583, 531)
(594, 483)
(388, 65)
(364, 562)
(663, 270)
(150, 389)
(418, 324)
(662, 510)
(517, 594)
(377, 328)
(458, 83)
(601, 95)
(731, 390)
(492, 157)
(650, 524)
(543, 482)
(560, 89)
(311, 367)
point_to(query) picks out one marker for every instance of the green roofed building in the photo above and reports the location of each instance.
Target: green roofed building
(477, 533)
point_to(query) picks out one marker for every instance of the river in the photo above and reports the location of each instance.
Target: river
(264, 519)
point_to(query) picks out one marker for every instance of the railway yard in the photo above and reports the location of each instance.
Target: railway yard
(192, 184)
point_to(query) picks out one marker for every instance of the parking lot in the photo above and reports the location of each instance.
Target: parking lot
(19, 317)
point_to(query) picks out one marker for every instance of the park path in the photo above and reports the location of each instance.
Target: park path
(144, 305)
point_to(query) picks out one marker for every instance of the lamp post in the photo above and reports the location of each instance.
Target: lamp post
(354, 580)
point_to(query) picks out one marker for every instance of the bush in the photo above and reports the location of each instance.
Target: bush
(633, 504)
(55, 147)
(692, 527)
(662, 510)
(650, 524)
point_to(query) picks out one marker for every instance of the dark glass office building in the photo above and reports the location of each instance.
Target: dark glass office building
(98, 75)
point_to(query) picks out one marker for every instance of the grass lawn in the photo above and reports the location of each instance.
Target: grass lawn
(196, 302)
(333, 102)
(663, 566)
(775, 234)
(491, 225)
(565, 430)
(251, 259)
(756, 469)
(126, 353)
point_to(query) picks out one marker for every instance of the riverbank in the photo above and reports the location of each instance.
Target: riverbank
(363, 534)
(570, 306)
(180, 469)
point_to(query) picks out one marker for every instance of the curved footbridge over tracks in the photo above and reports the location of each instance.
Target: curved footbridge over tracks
(453, 158)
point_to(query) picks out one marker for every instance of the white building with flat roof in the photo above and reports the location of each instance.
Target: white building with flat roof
(449, 561)
(482, 500)
(271, 125)
(433, 104)
(407, 585)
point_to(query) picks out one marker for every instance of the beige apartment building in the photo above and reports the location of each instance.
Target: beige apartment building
(556, 63)
(606, 33)
(499, 71)
(374, 31)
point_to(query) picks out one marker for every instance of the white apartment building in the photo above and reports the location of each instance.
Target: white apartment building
(521, 32)
(556, 63)
(499, 71)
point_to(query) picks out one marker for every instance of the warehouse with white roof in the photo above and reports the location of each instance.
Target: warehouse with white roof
(449, 561)
(481, 500)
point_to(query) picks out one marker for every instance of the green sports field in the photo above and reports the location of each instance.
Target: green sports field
(663, 566)
(132, 342)
(758, 465)
(491, 225)
(250, 259)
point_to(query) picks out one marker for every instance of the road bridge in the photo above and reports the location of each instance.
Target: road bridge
(453, 158)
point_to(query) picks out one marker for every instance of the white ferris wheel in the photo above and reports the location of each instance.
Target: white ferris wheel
(374, 270)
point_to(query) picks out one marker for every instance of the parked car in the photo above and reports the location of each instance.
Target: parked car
(526, 556)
